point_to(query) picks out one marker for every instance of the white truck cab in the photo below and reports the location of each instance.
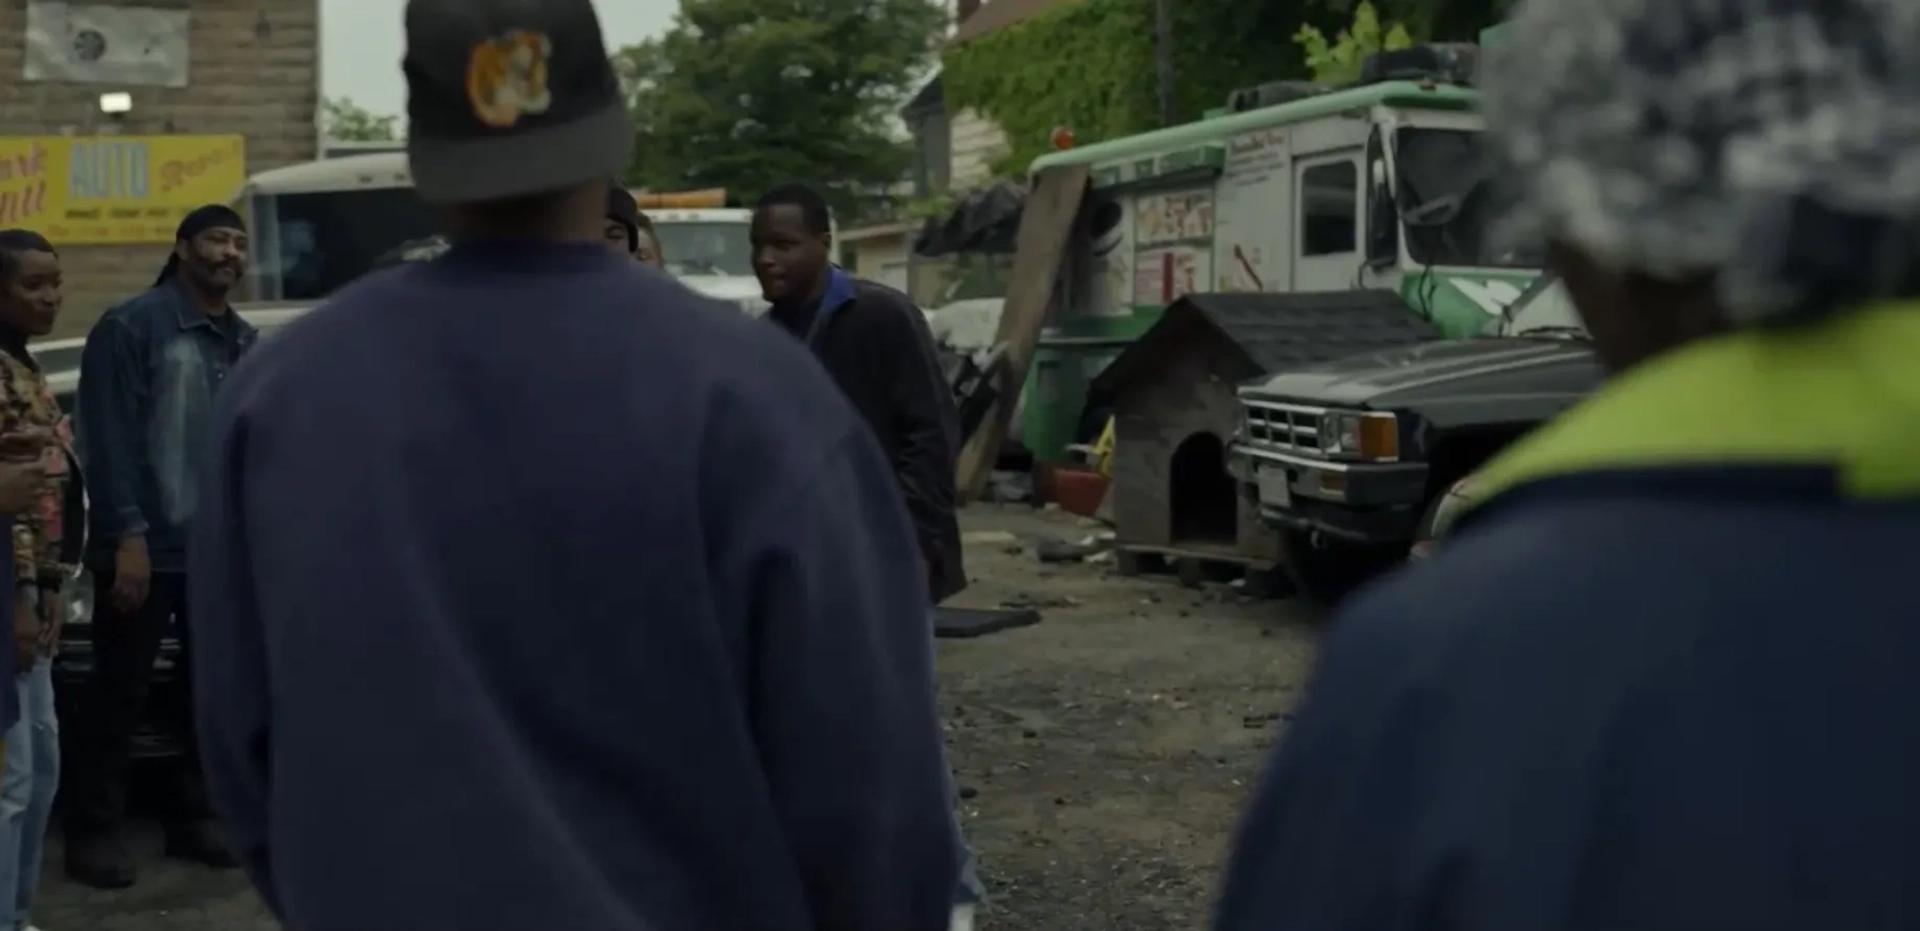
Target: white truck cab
(708, 249)
(318, 225)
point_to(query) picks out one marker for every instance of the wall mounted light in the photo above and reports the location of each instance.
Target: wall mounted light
(117, 104)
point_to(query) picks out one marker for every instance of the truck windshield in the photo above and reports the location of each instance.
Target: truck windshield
(696, 248)
(1445, 201)
(306, 246)
(1543, 309)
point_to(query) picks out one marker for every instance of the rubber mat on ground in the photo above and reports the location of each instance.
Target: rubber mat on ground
(957, 623)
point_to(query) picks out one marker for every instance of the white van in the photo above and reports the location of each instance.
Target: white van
(319, 225)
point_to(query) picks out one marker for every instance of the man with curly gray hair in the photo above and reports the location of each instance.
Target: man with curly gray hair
(1663, 676)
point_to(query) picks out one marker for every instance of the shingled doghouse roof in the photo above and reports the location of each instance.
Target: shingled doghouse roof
(1275, 331)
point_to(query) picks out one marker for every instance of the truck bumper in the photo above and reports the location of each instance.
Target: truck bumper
(1362, 503)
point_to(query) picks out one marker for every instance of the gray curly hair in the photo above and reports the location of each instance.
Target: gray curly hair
(1772, 143)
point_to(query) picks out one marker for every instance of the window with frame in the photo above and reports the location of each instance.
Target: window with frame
(1329, 209)
(308, 245)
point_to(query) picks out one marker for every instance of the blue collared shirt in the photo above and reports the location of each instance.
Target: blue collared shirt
(147, 381)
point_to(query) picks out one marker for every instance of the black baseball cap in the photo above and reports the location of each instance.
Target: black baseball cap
(622, 209)
(510, 97)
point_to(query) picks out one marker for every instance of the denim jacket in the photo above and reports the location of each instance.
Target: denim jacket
(145, 416)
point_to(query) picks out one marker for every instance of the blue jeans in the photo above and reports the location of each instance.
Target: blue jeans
(28, 782)
(969, 891)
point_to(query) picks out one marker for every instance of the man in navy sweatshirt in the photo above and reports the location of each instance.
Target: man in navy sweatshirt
(535, 591)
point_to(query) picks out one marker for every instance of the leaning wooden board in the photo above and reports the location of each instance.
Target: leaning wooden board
(1041, 242)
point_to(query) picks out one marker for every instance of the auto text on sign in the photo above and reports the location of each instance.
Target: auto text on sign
(122, 189)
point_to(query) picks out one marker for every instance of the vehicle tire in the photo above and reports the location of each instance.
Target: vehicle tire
(1327, 572)
(1441, 513)
(1422, 543)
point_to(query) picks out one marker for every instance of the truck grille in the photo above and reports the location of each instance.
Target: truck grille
(1283, 427)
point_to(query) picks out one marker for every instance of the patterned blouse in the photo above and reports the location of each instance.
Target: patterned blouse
(27, 404)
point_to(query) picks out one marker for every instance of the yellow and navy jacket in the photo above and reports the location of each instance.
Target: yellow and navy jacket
(1665, 675)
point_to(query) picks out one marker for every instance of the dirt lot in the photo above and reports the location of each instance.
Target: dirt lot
(1111, 746)
(1104, 753)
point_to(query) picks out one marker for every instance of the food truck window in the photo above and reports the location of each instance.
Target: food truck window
(1329, 208)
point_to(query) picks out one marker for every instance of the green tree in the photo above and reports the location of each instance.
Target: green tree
(747, 94)
(1338, 61)
(1437, 20)
(1090, 66)
(347, 121)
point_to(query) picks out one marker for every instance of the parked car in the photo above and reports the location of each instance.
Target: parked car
(1351, 459)
(60, 359)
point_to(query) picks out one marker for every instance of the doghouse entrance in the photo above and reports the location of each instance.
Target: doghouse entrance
(1200, 493)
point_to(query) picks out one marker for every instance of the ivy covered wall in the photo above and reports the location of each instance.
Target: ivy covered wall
(1089, 66)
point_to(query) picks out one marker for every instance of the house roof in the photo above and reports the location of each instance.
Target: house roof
(1277, 331)
(999, 14)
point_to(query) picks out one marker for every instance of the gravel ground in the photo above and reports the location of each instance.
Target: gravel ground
(1112, 745)
(1104, 754)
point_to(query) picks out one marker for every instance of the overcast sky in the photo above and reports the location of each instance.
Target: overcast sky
(360, 44)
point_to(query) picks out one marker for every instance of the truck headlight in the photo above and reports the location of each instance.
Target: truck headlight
(1369, 435)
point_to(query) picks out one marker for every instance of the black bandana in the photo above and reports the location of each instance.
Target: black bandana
(209, 217)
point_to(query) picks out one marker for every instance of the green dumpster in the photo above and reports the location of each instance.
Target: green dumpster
(1065, 361)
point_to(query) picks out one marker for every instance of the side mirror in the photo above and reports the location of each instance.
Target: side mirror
(1383, 218)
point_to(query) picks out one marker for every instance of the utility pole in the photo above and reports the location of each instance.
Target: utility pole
(1163, 56)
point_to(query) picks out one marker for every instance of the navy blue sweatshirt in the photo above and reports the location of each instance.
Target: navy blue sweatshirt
(532, 590)
(1663, 679)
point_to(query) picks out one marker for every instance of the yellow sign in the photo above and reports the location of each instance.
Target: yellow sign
(94, 190)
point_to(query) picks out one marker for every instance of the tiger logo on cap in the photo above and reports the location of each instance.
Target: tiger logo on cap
(507, 78)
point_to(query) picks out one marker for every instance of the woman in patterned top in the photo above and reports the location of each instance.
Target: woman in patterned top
(45, 549)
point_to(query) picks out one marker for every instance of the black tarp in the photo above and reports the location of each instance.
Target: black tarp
(985, 220)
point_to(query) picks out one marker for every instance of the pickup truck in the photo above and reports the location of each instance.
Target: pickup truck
(1349, 459)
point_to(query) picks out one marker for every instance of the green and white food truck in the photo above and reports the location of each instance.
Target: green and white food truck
(1293, 188)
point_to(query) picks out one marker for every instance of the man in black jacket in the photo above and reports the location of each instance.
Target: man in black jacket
(876, 345)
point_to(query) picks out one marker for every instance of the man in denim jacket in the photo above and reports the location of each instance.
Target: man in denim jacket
(147, 383)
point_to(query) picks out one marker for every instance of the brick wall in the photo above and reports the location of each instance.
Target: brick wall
(255, 71)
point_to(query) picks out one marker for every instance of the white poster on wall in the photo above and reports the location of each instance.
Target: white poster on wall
(1167, 274)
(1172, 245)
(1253, 226)
(1179, 217)
(98, 44)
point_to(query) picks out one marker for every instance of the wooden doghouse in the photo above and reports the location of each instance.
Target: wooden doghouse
(1175, 409)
